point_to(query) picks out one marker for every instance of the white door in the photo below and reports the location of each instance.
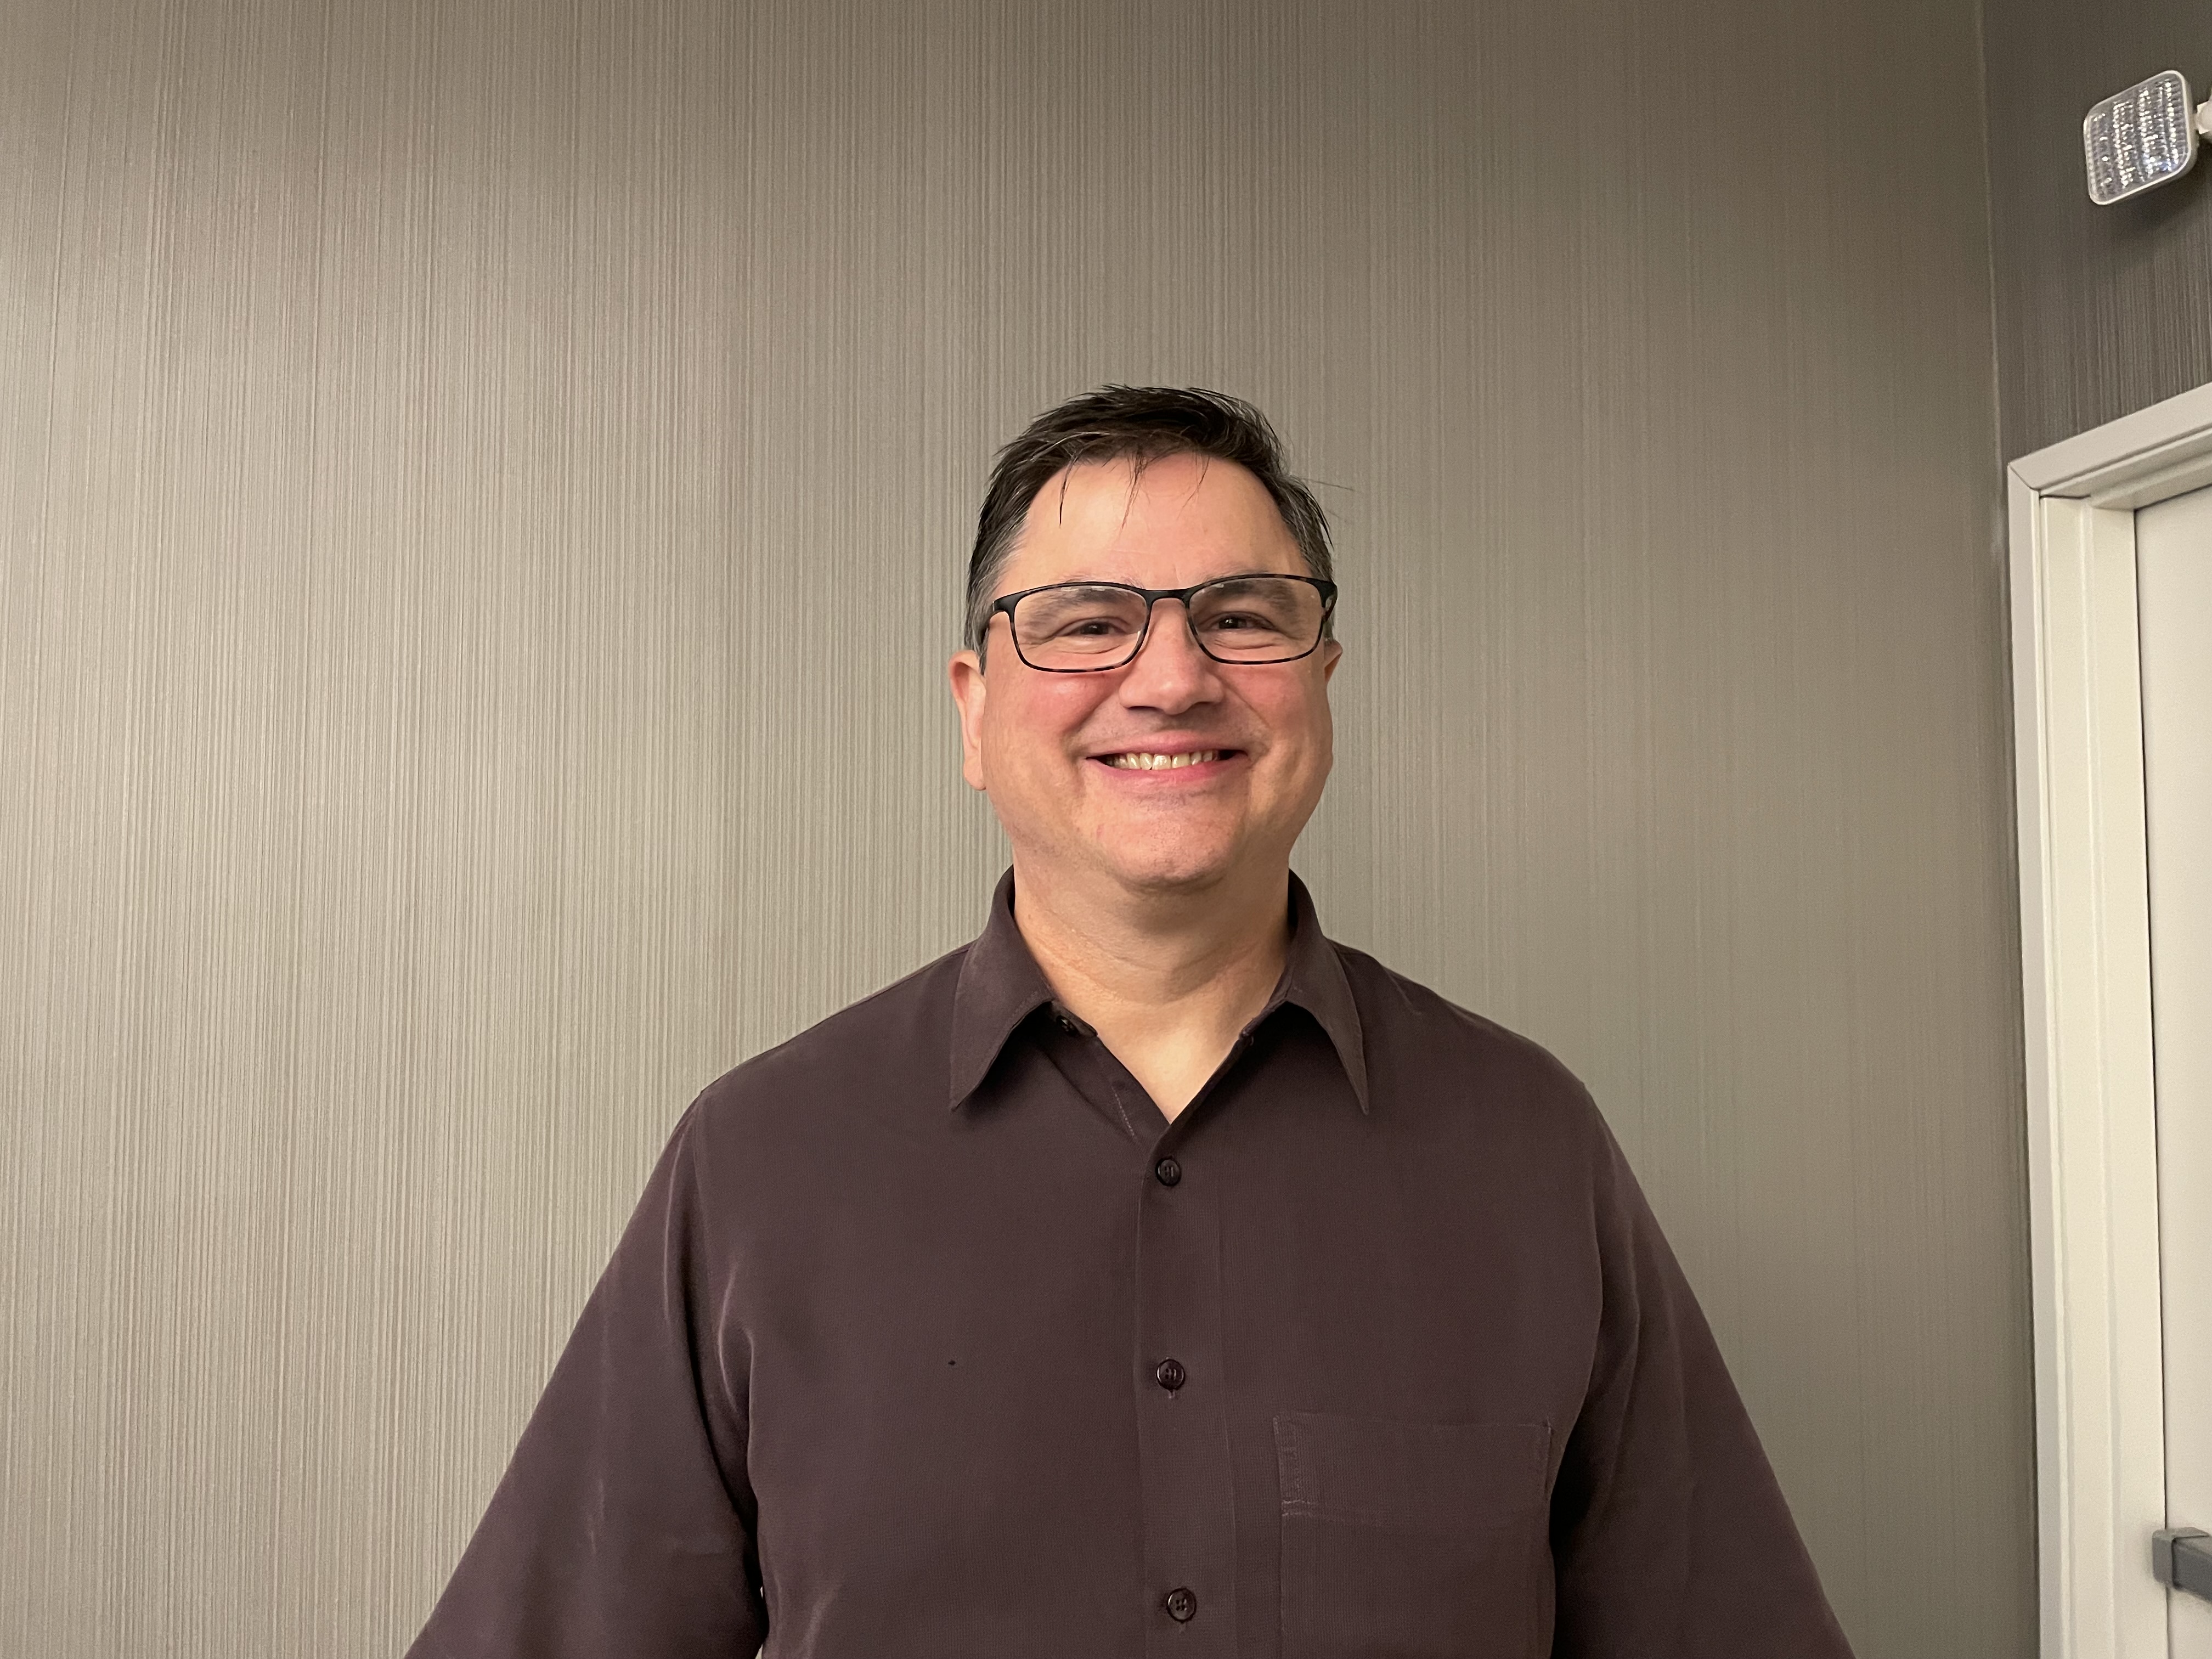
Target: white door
(2173, 563)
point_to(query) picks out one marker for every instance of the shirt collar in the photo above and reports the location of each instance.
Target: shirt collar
(1000, 986)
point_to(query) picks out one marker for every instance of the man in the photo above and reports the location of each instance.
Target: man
(1151, 1276)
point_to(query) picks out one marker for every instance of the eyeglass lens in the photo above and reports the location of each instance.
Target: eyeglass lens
(1247, 619)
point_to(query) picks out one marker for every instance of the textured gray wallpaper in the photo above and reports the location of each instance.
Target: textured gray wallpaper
(2100, 311)
(481, 494)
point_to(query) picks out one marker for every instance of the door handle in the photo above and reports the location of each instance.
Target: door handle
(2182, 1557)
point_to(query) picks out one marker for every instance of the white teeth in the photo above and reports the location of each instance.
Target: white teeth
(1134, 761)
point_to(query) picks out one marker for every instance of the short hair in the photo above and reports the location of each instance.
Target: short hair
(1144, 424)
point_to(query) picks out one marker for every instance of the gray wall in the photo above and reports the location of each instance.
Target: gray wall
(2100, 311)
(483, 493)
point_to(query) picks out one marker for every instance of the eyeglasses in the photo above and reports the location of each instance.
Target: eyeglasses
(1086, 628)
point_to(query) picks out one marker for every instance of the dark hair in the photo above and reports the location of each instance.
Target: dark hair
(1142, 423)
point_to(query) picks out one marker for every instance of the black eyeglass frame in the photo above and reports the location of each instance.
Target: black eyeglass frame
(1152, 595)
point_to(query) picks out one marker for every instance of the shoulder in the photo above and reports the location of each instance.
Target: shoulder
(1430, 1057)
(1403, 1019)
(875, 1053)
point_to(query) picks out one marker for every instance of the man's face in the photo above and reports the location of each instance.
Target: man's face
(1044, 744)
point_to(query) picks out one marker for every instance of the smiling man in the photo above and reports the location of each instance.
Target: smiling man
(1151, 1276)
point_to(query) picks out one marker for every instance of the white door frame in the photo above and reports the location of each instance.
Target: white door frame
(2085, 959)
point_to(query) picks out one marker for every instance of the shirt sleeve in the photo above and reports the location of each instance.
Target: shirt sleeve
(1670, 1536)
(623, 1524)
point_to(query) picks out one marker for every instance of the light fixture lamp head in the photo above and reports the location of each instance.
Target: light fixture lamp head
(2141, 138)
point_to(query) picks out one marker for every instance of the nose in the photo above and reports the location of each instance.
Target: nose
(1170, 672)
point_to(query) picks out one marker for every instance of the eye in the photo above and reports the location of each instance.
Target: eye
(1243, 621)
(1090, 628)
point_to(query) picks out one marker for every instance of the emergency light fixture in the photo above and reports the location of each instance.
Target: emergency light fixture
(2141, 138)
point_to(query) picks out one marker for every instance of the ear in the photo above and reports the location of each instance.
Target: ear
(1330, 651)
(966, 672)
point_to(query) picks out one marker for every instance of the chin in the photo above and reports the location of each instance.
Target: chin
(1172, 869)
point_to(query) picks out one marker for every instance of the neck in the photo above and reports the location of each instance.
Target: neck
(1167, 980)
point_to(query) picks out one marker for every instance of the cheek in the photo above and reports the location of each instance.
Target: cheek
(1031, 720)
(1300, 719)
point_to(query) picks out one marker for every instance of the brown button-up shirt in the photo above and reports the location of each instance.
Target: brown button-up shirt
(932, 1336)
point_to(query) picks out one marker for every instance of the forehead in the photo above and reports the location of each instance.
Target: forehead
(1175, 520)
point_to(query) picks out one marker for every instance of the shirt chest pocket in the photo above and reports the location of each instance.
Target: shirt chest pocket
(1411, 1540)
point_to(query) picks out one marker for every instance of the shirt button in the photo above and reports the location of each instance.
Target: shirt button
(1181, 1605)
(1167, 1172)
(1067, 1024)
(1170, 1375)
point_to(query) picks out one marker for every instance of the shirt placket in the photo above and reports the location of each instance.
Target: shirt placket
(1186, 1475)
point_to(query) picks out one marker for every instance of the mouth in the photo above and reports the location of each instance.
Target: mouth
(1152, 760)
(1155, 762)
